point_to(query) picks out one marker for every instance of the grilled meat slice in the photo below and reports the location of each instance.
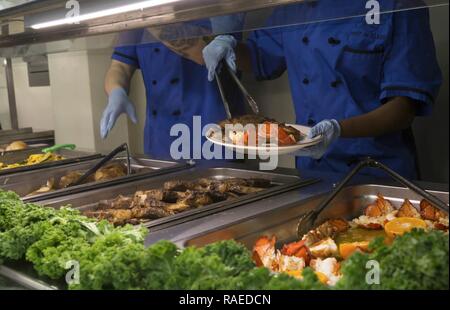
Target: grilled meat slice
(201, 199)
(194, 199)
(230, 188)
(177, 207)
(244, 190)
(141, 196)
(110, 172)
(260, 183)
(99, 215)
(150, 213)
(132, 222)
(149, 202)
(106, 173)
(49, 187)
(157, 194)
(205, 182)
(235, 182)
(69, 178)
(221, 186)
(178, 186)
(116, 217)
(121, 202)
(197, 199)
(171, 197)
(239, 186)
(225, 186)
(121, 217)
(217, 190)
(219, 197)
(129, 216)
(175, 197)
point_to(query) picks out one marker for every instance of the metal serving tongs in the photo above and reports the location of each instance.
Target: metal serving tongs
(53, 149)
(59, 147)
(250, 100)
(104, 161)
(308, 220)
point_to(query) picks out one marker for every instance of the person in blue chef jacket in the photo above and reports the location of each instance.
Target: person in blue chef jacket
(360, 85)
(176, 88)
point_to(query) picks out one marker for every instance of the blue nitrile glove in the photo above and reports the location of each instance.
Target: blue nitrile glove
(228, 23)
(118, 103)
(222, 47)
(330, 130)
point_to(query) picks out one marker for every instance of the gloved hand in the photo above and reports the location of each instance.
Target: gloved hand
(118, 103)
(330, 130)
(222, 47)
(228, 23)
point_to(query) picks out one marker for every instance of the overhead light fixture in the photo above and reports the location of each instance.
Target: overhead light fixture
(103, 13)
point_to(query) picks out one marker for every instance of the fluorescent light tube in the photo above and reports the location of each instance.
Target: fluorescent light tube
(103, 13)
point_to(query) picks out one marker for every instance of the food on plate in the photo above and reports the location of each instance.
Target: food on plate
(175, 197)
(327, 246)
(33, 159)
(108, 172)
(253, 130)
(14, 146)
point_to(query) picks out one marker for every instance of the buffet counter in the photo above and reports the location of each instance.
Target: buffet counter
(300, 197)
(275, 214)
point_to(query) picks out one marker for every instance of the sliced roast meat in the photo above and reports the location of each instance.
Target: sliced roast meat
(175, 197)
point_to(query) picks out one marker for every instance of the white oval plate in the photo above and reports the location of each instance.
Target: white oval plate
(269, 149)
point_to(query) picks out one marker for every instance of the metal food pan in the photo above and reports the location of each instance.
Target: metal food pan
(17, 157)
(12, 132)
(27, 182)
(27, 137)
(88, 200)
(33, 140)
(36, 146)
(23, 274)
(282, 222)
(44, 140)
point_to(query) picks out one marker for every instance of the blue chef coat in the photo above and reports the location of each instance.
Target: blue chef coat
(345, 67)
(176, 88)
